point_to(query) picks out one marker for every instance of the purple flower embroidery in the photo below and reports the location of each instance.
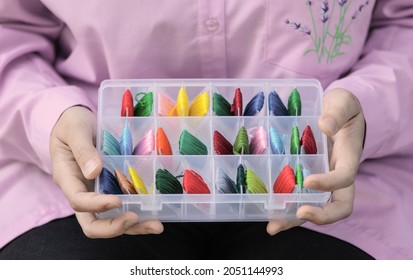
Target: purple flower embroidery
(323, 18)
(355, 14)
(305, 30)
(298, 26)
(324, 9)
(324, 6)
(342, 2)
(359, 10)
(328, 42)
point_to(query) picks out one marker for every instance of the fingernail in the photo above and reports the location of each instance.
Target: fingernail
(330, 124)
(90, 166)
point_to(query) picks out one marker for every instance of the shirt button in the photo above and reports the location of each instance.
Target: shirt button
(211, 24)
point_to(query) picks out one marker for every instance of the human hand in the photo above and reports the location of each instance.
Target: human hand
(76, 163)
(343, 123)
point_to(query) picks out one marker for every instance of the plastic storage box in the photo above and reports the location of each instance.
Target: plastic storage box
(214, 206)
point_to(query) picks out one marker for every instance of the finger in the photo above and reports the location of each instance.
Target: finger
(340, 208)
(275, 226)
(81, 143)
(336, 179)
(339, 106)
(78, 196)
(106, 228)
(344, 159)
(349, 140)
(147, 227)
(86, 155)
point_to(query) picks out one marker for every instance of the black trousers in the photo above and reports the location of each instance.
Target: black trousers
(64, 239)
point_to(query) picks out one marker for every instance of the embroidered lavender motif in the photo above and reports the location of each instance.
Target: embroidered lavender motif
(327, 42)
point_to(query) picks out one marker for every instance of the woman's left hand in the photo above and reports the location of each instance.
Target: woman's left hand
(343, 123)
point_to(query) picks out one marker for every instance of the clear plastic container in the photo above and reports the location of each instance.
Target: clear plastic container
(214, 206)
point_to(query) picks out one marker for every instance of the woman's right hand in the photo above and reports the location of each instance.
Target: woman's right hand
(76, 163)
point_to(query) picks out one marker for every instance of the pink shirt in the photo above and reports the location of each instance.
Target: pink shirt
(96, 40)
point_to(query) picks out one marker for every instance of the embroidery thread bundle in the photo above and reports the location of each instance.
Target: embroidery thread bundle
(109, 183)
(127, 104)
(224, 183)
(247, 181)
(126, 141)
(277, 144)
(295, 141)
(294, 103)
(287, 180)
(143, 107)
(254, 183)
(165, 104)
(190, 145)
(242, 144)
(120, 184)
(236, 107)
(259, 141)
(137, 181)
(241, 183)
(198, 108)
(306, 144)
(255, 105)
(146, 145)
(166, 183)
(193, 183)
(125, 185)
(277, 108)
(222, 107)
(221, 145)
(162, 143)
(112, 147)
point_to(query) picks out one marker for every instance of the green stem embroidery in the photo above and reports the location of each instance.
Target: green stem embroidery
(316, 42)
(327, 44)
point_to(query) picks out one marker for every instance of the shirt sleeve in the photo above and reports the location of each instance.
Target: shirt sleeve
(383, 80)
(32, 94)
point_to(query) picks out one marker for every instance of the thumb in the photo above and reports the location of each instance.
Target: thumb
(339, 106)
(81, 142)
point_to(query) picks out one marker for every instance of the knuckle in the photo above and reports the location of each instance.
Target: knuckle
(89, 233)
(75, 205)
(55, 177)
(340, 113)
(353, 99)
(348, 210)
(349, 177)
